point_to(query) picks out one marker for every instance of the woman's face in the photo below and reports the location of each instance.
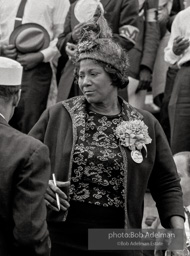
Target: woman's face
(95, 83)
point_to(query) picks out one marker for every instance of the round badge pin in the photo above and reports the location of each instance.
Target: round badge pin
(137, 156)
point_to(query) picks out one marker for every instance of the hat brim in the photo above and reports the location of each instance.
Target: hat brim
(17, 31)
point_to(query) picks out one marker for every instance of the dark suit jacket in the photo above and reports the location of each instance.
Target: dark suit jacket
(119, 14)
(24, 174)
(143, 54)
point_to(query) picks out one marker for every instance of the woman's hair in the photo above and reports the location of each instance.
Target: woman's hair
(7, 92)
(110, 70)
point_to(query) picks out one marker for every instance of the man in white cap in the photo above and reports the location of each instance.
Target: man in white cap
(24, 174)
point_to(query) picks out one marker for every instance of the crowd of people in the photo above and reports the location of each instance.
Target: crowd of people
(74, 79)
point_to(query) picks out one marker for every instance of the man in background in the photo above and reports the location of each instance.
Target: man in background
(177, 53)
(182, 161)
(177, 6)
(37, 74)
(142, 56)
(121, 15)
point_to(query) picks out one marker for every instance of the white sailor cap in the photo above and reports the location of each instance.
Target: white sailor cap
(10, 72)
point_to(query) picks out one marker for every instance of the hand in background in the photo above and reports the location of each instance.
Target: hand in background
(71, 50)
(163, 14)
(144, 80)
(180, 44)
(30, 60)
(50, 197)
(9, 51)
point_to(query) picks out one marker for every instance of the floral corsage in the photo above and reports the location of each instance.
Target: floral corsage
(134, 135)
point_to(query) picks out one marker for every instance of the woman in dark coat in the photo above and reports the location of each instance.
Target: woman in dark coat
(104, 153)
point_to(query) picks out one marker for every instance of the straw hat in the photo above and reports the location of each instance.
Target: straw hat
(29, 37)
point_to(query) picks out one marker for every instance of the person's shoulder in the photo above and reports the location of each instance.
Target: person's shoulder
(147, 116)
(54, 107)
(20, 140)
(74, 99)
(63, 107)
(73, 102)
(145, 113)
(21, 148)
(182, 14)
(61, 104)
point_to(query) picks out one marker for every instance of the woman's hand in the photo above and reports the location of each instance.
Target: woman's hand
(144, 80)
(50, 195)
(71, 50)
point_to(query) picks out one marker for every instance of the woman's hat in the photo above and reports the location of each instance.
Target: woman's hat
(97, 43)
(29, 37)
(10, 72)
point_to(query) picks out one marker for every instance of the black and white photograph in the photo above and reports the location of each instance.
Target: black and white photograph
(95, 127)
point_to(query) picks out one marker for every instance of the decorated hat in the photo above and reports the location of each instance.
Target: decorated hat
(97, 43)
(10, 72)
(29, 37)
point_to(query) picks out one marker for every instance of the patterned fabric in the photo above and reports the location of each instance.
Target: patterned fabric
(98, 169)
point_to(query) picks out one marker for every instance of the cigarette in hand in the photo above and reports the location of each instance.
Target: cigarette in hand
(57, 196)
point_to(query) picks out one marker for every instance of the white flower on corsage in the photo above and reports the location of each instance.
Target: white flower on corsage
(134, 135)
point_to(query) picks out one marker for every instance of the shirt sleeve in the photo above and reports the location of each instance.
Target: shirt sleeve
(128, 27)
(59, 15)
(169, 55)
(66, 35)
(169, 6)
(151, 34)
